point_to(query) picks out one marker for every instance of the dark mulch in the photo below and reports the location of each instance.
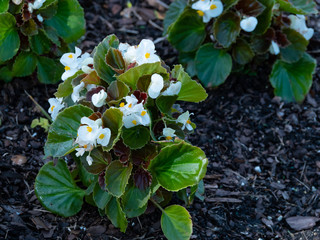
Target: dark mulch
(264, 155)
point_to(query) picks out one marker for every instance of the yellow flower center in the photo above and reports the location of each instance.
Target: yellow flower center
(70, 56)
(67, 68)
(85, 146)
(143, 113)
(201, 14)
(213, 6)
(147, 55)
(89, 129)
(188, 121)
(122, 104)
(168, 137)
(130, 105)
(52, 108)
(101, 136)
(134, 122)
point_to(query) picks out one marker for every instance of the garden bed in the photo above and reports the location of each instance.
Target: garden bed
(264, 155)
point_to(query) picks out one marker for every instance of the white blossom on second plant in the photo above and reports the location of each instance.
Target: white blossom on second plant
(168, 133)
(173, 89)
(89, 160)
(274, 48)
(298, 23)
(75, 96)
(130, 107)
(35, 5)
(55, 106)
(145, 52)
(99, 99)
(85, 65)
(40, 18)
(208, 9)
(104, 135)
(88, 132)
(81, 150)
(185, 120)
(248, 24)
(156, 85)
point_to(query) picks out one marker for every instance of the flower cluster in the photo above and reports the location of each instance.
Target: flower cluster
(208, 9)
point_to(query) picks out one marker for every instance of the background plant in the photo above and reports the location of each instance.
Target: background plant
(214, 42)
(33, 33)
(119, 120)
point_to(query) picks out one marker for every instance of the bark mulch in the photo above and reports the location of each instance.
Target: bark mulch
(264, 155)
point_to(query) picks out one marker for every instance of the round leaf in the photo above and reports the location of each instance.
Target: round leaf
(213, 65)
(116, 214)
(187, 60)
(64, 130)
(24, 64)
(112, 119)
(176, 223)
(164, 103)
(116, 91)
(178, 166)
(100, 161)
(292, 81)
(40, 43)
(242, 52)
(57, 191)
(4, 6)
(49, 71)
(173, 13)
(264, 19)
(305, 7)
(250, 7)
(117, 177)
(134, 197)
(135, 137)
(9, 38)
(69, 20)
(100, 197)
(226, 28)
(188, 32)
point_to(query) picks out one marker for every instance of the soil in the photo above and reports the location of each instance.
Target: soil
(264, 155)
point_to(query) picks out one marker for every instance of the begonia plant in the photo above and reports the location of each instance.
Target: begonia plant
(34, 33)
(216, 37)
(118, 118)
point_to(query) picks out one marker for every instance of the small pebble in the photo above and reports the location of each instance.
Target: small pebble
(257, 169)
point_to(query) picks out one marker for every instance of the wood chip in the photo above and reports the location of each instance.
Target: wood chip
(19, 159)
(229, 200)
(300, 222)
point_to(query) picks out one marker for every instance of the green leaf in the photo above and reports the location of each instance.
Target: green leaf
(226, 28)
(41, 122)
(117, 177)
(265, 18)
(24, 64)
(65, 88)
(116, 214)
(178, 166)
(176, 223)
(52, 34)
(100, 197)
(112, 119)
(132, 76)
(39, 43)
(242, 52)
(64, 130)
(175, 10)
(9, 38)
(116, 91)
(115, 60)
(228, 4)
(188, 32)
(213, 65)
(131, 213)
(69, 20)
(86, 177)
(164, 103)
(261, 43)
(100, 65)
(29, 28)
(49, 70)
(190, 91)
(6, 74)
(100, 161)
(298, 45)
(250, 7)
(49, 9)
(304, 7)
(57, 191)
(187, 60)
(135, 137)
(4, 6)
(135, 198)
(292, 81)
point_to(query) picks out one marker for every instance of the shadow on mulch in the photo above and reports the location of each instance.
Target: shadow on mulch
(264, 155)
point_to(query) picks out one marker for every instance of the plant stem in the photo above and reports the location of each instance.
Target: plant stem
(156, 204)
(39, 106)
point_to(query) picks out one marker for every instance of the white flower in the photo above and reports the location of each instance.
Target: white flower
(208, 9)
(89, 160)
(185, 120)
(177, 107)
(35, 5)
(145, 52)
(129, 108)
(139, 116)
(248, 24)
(128, 52)
(155, 86)
(75, 96)
(298, 23)
(173, 89)
(85, 65)
(168, 133)
(123, 47)
(83, 149)
(99, 99)
(89, 131)
(131, 120)
(104, 136)
(40, 18)
(17, 2)
(55, 106)
(274, 48)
